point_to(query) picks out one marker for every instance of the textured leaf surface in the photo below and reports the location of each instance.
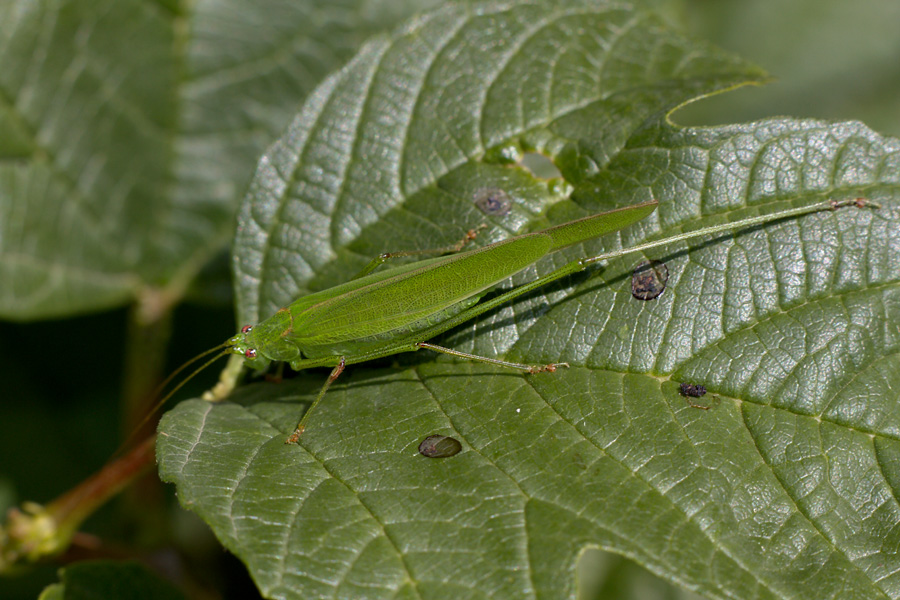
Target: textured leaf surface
(786, 487)
(365, 163)
(128, 132)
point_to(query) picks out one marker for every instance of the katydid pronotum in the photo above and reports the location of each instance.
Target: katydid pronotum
(394, 310)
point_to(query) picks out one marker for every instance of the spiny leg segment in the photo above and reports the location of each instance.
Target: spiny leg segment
(531, 369)
(452, 249)
(335, 373)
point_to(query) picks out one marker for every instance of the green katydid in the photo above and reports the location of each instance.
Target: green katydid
(398, 309)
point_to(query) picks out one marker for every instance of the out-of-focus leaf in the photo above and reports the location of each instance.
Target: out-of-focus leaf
(831, 59)
(128, 130)
(56, 591)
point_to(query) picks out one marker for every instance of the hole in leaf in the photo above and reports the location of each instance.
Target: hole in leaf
(540, 166)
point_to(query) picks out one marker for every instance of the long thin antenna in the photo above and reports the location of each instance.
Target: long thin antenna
(174, 374)
(156, 392)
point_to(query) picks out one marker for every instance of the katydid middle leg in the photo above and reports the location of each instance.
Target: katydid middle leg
(452, 249)
(335, 373)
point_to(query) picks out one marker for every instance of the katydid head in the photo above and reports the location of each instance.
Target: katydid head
(260, 343)
(244, 343)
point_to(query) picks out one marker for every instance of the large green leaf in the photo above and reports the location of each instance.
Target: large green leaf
(128, 131)
(784, 488)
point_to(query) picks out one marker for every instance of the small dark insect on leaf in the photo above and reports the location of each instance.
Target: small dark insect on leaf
(649, 280)
(692, 391)
(493, 201)
(439, 446)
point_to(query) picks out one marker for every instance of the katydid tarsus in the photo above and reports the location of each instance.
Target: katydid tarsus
(398, 309)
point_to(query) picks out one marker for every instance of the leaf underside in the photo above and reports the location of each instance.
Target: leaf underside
(785, 486)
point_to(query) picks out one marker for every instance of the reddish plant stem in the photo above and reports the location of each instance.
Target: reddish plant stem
(36, 532)
(81, 501)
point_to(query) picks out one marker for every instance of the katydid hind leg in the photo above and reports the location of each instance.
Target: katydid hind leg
(565, 236)
(531, 369)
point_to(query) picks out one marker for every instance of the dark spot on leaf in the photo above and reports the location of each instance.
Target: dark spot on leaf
(439, 446)
(493, 201)
(649, 280)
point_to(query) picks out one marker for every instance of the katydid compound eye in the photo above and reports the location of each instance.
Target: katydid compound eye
(246, 328)
(250, 353)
